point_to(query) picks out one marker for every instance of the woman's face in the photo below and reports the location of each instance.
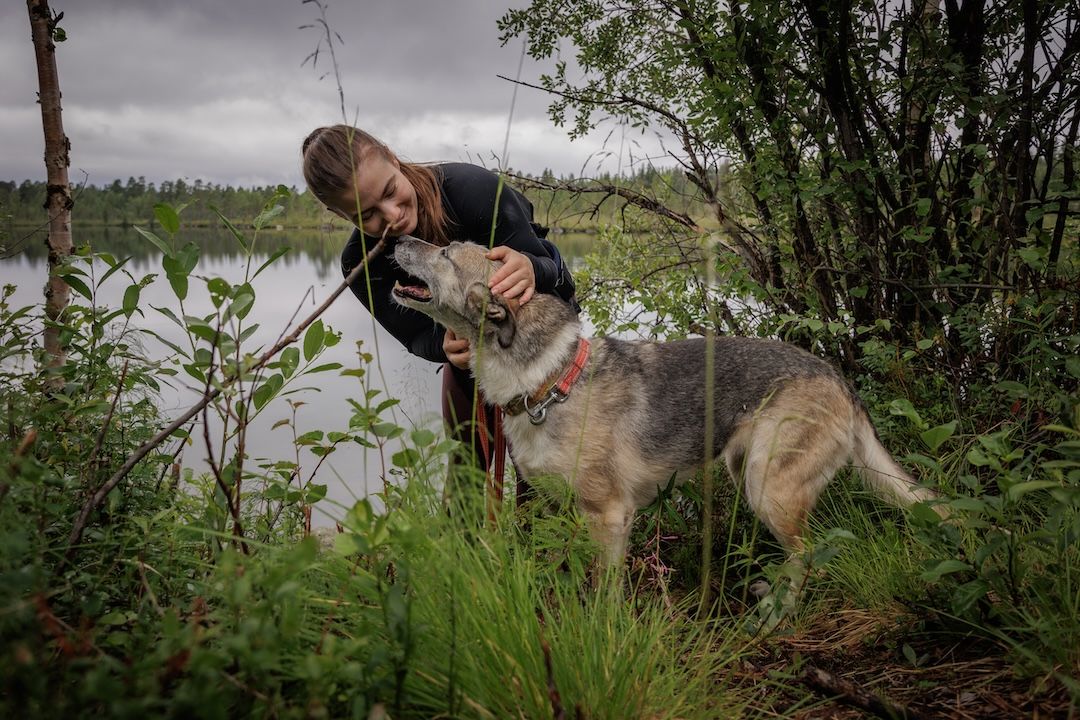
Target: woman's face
(387, 200)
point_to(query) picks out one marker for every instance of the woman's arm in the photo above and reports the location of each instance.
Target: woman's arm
(471, 192)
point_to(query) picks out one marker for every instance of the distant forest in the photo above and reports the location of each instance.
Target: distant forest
(120, 204)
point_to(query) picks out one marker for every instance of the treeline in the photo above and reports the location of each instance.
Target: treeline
(132, 203)
(121, 204)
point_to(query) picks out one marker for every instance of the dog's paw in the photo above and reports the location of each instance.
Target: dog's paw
(776, 603)
(760, 588)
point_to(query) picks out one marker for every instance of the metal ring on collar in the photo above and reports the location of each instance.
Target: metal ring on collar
(538, 414)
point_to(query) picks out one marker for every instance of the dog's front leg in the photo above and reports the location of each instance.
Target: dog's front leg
(610, 527)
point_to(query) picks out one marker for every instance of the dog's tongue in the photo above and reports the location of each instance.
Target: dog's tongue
(418, 292)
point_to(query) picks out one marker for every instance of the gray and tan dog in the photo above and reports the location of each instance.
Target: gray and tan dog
(783, 420)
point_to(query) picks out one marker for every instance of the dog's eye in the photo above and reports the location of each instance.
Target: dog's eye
(445, 252)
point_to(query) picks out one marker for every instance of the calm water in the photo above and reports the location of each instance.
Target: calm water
(294, 285)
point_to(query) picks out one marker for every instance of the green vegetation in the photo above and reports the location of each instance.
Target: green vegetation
(903, 201)
(204, 594)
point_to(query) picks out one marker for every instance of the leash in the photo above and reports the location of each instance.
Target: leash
(496, 467)
(554, 391)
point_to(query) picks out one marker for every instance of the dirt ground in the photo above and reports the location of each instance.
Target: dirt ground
(852, 664)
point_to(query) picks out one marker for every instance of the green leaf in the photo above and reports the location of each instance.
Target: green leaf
(169, 314)
(267, 390)
(407, 458)
(269, 261)
(219, 290)
(348, 543)
(971, 505)
(313, 339)
(1072, 365)
(422, 437)
(968, 594)
(263, 218)
(903, 406)
(131, 299)
(77, 285)
(977, 457)
(323, 368)
(157, 242)
(310, 438)
(201, 329)
(290, 359)
(115, 617)
(243, 298)
(1017, 491)
(935, 436)
(168, 218)
(113, 267)
(232, 228)
(1012, 388)
(195, 372)
(387, 430)
(188, 257)
(945, 567)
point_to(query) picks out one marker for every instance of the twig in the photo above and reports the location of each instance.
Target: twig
(634, 198)
(557, 711)
(172, 465)
(108, 419)
(232, 503)
(849, 693)
(98, 497)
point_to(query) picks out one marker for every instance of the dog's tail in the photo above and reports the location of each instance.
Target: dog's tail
(881, 473)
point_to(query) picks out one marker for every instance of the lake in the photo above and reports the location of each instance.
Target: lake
(294, 285)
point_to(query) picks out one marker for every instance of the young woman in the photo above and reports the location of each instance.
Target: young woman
(358, 178)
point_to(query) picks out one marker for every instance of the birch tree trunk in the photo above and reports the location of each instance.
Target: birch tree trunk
(58, 197)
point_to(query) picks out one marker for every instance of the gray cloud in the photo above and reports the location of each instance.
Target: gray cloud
(215, 90)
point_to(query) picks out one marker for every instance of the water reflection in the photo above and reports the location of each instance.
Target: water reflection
(293, 286)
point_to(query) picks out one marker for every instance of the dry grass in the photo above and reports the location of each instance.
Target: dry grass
(968, 678)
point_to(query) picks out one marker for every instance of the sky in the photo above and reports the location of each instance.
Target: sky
(218, 90)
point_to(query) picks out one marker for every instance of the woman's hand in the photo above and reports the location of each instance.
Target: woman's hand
(456, 349)
(516, 278)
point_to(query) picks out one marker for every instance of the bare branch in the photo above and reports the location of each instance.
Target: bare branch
(98, 497)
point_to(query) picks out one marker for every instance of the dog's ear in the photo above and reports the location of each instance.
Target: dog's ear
(496, 310)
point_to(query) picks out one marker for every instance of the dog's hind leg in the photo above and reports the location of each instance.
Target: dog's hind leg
(793, 447)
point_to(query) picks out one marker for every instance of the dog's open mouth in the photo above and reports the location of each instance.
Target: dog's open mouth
(418, 292)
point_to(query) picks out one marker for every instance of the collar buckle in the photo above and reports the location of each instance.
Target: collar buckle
(538, 413)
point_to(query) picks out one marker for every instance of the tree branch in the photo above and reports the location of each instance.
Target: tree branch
(98, 497)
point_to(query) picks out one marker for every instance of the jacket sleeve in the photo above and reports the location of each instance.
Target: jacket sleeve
(509, 222)
(415, 331)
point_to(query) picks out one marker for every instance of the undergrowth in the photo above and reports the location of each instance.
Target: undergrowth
(210, 594)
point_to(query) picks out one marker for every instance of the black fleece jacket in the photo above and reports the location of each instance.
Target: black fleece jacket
(468, 196)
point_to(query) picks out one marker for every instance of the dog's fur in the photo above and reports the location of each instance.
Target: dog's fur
(782, 420)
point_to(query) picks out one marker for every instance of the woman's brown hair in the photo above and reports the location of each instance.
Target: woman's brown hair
(333, 154)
